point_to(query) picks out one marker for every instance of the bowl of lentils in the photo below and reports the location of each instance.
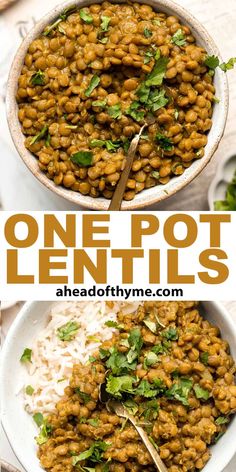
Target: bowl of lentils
(89, 75)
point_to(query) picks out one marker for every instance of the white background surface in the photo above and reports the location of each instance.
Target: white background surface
(21, 191)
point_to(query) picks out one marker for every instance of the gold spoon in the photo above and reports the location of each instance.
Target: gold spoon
(120, 410)
(118, 194)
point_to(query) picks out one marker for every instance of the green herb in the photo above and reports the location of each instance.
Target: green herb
(150, 359)
(42, 134)
(201, 392)
(221, 420)
(115, 111)
(119, 363)
(151, 325)
(147, 33)
(229, 204)
(26, 356)
(94, 453)
(104, 353)
(84, 15)
(157, 100)
(155, 174)
(93, 339)
(29, 390)
(212, 62)
(93, 84)
(179, 38)
(150, 409)
(84, 396)
(105, 23)
(164, 142)
(38, 78)
(63, 16)
(82, 158)
(156, 22)
(99, 103)
(204, 358)
(111, 146)
(216, 100)
(113, 324)
(131, 406)
(176, 114)
(92, 359)
(171, 334)
(155, 78)
(228, 65)
(180, 390)
(218, 436)
(159, 349)
(38, 418)
(68, 331)
(149, 390)
(147, 57)
(44, 434)
(153, 443)
(103, 40)
(135, 112)
(118, 385)
(93, 422)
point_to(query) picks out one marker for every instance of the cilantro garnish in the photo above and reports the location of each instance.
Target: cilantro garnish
(84, 15)
(150, 359)
(38, 78)
(150, 409)
(229, 204)
(113, 324)
(38, 418)
(99, 103)
(29, 390)
(42, 134)
(45, 431)
(200, 392)
(26, 356)
(118, 385)
(228, 65)
(164, 142)
(149, 390)
(147, 33)
(82, 158)
(68, 331)
(94, 82)
(131, 406)
(170, 334)
(155, 78)
(135, 112)
(110, 145)
(63, 16)
(105, 23)
(84, 396)
(150, 325)
(204, 357)
(221, 420)
(180, 390)
(212, 62)
(94, 453)
(115, 111)
(179, 38)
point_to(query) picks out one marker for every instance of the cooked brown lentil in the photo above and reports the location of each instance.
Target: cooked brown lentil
(81, 76)
(187, 349)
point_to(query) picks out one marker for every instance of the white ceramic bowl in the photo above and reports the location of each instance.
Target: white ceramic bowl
(148, 196)
(223, 177)
(19, 426)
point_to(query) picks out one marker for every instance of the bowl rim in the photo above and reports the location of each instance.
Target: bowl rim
(25, 312)
(100, 203)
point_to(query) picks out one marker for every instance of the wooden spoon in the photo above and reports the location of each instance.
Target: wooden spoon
(118, 194)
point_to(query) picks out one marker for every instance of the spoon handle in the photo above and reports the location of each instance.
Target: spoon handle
(120, 188)
(151, 449)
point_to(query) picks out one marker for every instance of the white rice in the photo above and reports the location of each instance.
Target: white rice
(53, 359)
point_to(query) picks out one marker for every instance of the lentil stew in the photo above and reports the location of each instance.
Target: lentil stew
(171, 369)
(89, 81)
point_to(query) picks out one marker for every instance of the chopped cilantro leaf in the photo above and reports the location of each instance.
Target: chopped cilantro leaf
(155, 78)
(135, 112)
(204, 357)
(180, 390)
(26, 356)
(164, 142)
(179, 38)
(29, 390)
(151, 325)
(84, 396)
(118, 385)
(212, 62)
(113, 324)
(45, 431)
(38, 78)
(170, 334)
(84, 15)
(68, 331)
(105, 23)
(42, 134)
(200, 392)
(38, 418)
(221, 420)
(94, 82)
(230, 199)
(147, 33)
(94, 453)
(115, 111)
(228, 65)
(150, 359)
(82, 158)
(111, 146)
(131, 406)
(218, 436)
(99, 103)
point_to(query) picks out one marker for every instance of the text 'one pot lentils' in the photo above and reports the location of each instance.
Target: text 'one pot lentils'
(92, 78)
(171, 369)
